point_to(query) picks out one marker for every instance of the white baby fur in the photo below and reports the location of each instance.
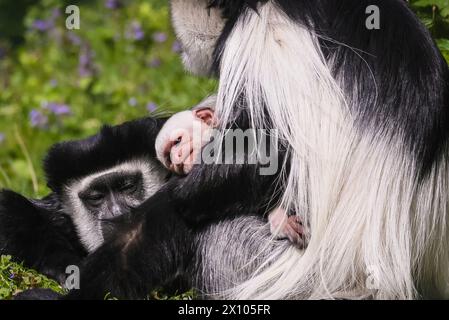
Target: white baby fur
(375, 231)
(185, 121)
(88, 228)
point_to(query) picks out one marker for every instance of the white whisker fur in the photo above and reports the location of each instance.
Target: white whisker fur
(88, 227)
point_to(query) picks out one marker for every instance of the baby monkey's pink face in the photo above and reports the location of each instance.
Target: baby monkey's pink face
(182, 137)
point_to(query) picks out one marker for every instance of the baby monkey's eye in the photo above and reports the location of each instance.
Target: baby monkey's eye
(177, 141)
(170, 145)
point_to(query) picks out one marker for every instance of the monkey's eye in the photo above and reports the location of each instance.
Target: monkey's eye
(93, 199)
(177, 141)
(128, 187)
(167, 153)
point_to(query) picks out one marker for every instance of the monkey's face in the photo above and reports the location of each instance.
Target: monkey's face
(198, 29)
(111, 195)
(98, 203)
(180, 141)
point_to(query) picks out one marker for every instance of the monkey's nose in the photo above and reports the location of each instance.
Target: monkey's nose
(116, 211)
(177, 156)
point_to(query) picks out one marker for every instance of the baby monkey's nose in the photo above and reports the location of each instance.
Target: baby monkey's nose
(177, 155)
(180, 153)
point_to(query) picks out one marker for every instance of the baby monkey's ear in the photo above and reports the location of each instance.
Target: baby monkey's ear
(206, 115)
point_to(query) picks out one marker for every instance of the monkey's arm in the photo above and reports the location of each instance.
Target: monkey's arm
(154, 245)
(36, 233)
(214, 192)
(150, 250)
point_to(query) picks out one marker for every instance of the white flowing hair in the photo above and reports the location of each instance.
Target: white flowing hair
(377, 230)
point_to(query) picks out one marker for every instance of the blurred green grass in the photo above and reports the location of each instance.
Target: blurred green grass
(122, 64)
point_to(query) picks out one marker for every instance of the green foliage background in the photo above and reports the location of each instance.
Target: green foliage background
(122, 62)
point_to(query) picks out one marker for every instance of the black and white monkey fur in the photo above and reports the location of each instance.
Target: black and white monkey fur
(363, 117)
(93, 182)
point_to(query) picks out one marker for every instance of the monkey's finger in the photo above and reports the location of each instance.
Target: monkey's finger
(293, 222)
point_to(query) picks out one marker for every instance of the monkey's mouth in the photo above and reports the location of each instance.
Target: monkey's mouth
(185, 165)
(177, 168)
(108, 228)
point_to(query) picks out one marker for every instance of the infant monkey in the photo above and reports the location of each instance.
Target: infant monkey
(179, 145)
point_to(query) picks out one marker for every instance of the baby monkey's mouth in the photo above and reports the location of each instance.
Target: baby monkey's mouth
(184, 166)
(177, 168)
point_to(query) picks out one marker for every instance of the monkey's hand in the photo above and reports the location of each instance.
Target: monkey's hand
(283, 226)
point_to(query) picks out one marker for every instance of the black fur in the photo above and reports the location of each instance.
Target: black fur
(37, 294)
(113, 145)
(153, 249)
(232, 8)
(412, 77)
(157, 241)
(37, 233)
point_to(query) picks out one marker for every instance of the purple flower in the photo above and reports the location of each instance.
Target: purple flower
(42, 25)
(73, 38)
(53, 83)
(135, 32)
(85, 63)
(2, 137)
(62, 109)
(55, 13)
(12, 275)
(160, 37)
(113, 4)
(154, 63)
(58, 108)
(38, 119)
(176, 47)
(132, 102)
(85, 57)
(151, 106)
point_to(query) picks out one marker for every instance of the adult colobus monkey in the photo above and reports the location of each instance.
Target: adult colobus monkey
(364, 116)
(93, 181)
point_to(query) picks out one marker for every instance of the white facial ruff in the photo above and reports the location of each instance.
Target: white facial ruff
(88, 228)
